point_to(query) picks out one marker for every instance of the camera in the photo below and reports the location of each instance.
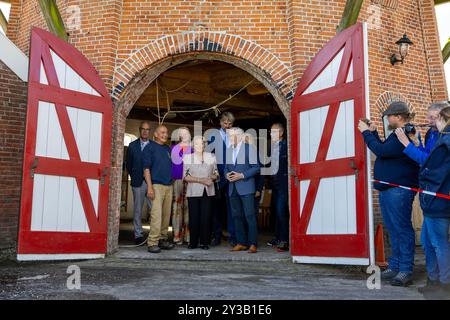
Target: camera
(409, 129)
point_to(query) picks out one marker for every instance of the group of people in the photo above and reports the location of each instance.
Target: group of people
(402, 159)
(198, 190)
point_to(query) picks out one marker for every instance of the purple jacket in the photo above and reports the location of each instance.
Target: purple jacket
(177, 163)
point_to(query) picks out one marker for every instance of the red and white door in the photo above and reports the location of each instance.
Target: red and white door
(65, 180)
(331, 216)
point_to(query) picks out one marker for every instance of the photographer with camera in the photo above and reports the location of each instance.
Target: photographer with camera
(392, 165)
(416, 150)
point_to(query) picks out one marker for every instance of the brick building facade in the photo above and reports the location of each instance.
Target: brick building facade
(130, 42)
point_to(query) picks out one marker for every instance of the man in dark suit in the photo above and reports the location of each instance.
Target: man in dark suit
(135, 168)
(280, 191)
(219, 141)
(240, 170)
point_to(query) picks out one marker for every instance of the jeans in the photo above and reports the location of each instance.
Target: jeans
(139, 195)
(435, 242)
(396, 208)
(280, 198)
(243, 208)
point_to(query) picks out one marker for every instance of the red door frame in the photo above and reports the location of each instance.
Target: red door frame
(45, 242)
(302, 244)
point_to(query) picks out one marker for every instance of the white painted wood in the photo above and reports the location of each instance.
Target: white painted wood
(350, 73)
(331, 260)
(327, 78)
(13, 58)
(342, 143)
(341, 207)
(94, 189)
(69, 78)
(51, 200)
(66, 186)
(304, 185)
(334, 210)
(49, 139)
(43, 75)
(368, 161)
(43, 257)
(37, 207)
(87, 126)
(79, 222)
(312, 123)
(57, 204)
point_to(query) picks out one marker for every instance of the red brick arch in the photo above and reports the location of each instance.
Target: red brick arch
(141, 68)
(201, 42)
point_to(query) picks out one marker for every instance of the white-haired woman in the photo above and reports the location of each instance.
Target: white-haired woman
(200, 173)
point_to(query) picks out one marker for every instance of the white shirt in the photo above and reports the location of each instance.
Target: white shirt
(236, 151)
(143, 144)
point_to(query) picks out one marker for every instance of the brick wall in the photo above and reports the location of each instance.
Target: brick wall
(12, 124)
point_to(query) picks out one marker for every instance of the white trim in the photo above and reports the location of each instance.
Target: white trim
(73, 256)
(14, 58)
(368, 164)
(331, 260)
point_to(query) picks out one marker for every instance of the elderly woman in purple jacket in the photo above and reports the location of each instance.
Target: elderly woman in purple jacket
(180, 212)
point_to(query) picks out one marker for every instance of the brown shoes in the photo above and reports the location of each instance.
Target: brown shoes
(252, 249)
(239, 247)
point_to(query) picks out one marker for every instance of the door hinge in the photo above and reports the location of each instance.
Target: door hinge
(105, 172)
(33, 167)
(354, 167)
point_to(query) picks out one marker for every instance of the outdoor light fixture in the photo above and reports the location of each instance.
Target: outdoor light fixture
(403, 46)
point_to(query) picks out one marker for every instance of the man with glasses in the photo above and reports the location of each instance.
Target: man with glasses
(419, 153)
(135, 168)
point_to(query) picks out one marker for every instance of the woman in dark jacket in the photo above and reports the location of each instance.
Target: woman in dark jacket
(434, 176)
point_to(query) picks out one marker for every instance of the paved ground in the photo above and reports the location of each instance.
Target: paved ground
(179, 274)
(133, 273)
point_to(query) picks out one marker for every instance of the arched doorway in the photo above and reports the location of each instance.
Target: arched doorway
(135, 89)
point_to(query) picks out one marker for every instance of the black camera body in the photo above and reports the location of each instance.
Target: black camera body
(409, 129)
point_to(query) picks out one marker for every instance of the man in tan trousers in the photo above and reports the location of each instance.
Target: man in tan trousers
(158, 176)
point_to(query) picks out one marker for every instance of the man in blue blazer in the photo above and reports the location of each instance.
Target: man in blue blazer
(240, 170)
(135, 168)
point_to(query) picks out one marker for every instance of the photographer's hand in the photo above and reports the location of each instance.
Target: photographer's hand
(402, 136)
(362, 126)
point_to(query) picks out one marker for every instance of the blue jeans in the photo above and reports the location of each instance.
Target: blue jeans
(282, 214)
(396, 208)
(243, 210)
(436, 245)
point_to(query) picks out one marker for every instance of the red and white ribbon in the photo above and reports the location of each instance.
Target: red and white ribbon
(439, 195)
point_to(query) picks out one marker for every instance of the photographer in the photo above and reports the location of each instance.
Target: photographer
(417, 151)
(435, 177)
(392, 165)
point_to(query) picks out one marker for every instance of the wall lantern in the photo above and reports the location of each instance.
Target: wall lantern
(403, 46)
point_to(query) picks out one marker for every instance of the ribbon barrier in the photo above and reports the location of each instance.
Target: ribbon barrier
(434, 194)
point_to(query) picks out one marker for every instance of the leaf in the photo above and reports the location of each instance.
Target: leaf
(53, 18)
(446, 51)
(350, 15)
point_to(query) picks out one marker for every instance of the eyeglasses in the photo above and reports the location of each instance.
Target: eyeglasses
(144, 129)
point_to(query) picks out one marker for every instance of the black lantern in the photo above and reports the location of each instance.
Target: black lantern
(403, 46)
